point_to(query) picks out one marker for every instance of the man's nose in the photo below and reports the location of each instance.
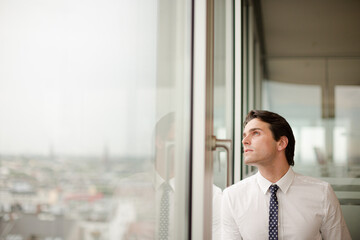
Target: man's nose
(246, 140)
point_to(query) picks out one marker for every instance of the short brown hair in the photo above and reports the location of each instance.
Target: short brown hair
(279, 127)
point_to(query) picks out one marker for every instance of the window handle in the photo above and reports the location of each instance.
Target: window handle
(227, 145)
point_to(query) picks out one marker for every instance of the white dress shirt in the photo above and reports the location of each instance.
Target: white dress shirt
(308, 209)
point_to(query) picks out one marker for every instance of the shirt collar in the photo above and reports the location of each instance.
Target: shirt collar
(284, 183)
(159, 181)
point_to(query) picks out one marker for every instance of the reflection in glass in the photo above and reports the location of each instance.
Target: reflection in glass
(164, 175)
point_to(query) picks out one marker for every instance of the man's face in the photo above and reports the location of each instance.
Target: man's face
(165, 153)
(260, 147)
(170, 146)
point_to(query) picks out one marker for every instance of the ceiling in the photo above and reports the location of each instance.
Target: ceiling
(317, 28)
(311, 43)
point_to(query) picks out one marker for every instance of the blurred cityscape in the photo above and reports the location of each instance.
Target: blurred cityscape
(75, 198)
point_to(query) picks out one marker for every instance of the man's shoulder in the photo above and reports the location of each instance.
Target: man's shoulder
(310, 180)
(311, 185)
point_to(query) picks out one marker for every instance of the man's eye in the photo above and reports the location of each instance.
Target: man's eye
(256, 133)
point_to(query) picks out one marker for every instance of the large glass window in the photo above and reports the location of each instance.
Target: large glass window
(94, 102)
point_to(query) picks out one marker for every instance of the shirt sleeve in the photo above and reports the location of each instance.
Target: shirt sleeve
(229, 228)
(334, 225)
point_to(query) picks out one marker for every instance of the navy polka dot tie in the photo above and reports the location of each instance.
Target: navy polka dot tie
(273, 213)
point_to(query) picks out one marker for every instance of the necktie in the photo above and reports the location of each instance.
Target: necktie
(273, 213)
(164, 212)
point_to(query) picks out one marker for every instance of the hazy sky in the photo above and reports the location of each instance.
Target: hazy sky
(77, 76)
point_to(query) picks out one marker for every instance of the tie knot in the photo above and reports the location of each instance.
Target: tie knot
(166, 187)
(274, 188)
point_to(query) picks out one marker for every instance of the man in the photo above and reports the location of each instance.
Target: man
(277, 203)
(165, 176)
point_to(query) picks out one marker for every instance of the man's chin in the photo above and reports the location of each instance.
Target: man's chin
(249, 162)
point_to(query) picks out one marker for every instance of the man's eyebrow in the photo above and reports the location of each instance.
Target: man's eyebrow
(252, 130)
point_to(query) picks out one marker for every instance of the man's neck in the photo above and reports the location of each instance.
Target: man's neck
(162, 168)
(274, 173)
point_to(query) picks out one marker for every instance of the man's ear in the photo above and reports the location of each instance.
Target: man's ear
(282, 143)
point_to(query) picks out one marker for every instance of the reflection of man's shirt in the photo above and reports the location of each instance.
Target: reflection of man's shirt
(216, 213)
(160, 191)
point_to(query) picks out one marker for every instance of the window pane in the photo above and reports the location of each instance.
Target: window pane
(223, 85)
(223, 103)
(83, 86)
(346, 129)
